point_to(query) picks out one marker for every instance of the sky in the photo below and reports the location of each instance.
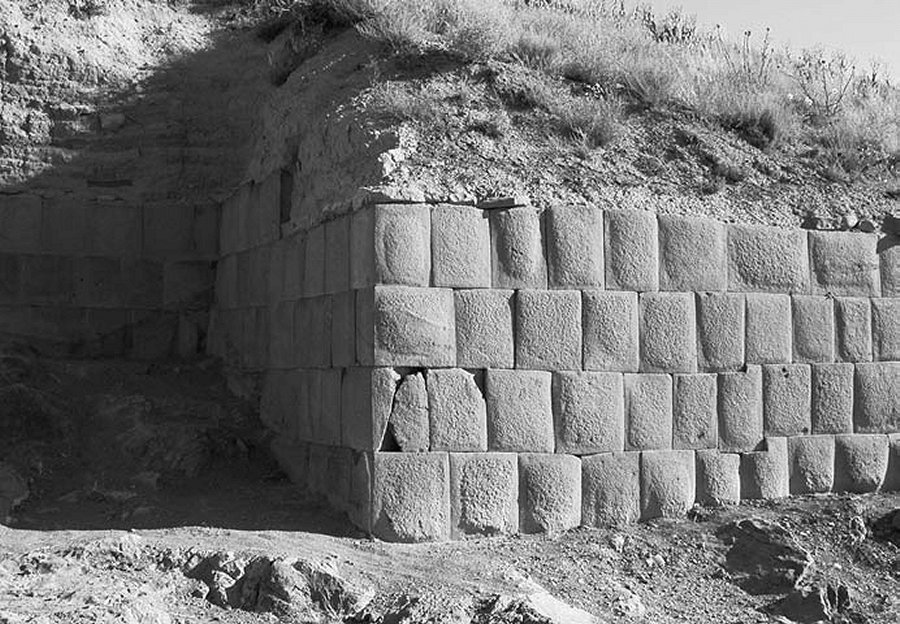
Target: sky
(864, 29)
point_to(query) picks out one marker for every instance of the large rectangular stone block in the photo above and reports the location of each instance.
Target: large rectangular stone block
(548, 329)
(811, 464)
(694, 413)
(631, 250)
(549, 492)
(457, 411)
(860, 462)
(228, 230)
(51, 279)
(519, 411)
(294, 266)
(484, 328)
(720, 331)
(517, 249)
(575, 246)
(312, 331)
(853, 329)
(668, 483)
(20, 223)
(787, 399)
(648, 411)
(589, 413)
(98, 282)
(64, 227)
(367, 395)
(692, 254)
(460, 247)
(484, 493)
(408, 427)
(889, 252)
(10, 278)
(892, 478)
(610, 325)
(832, 398)
(740, 410)
(877, 405)
(667, 333)
(411, 497)
(113, 228)
(765, 474)
(844, 263)
(770, 259)
(314, 262)
(343, 329)
(813, 321)
(610, 489)
(281, 336)
(886, 329)
(337, 255)
(327, 426)
(391, 244)
(769, 329)
(718, 477)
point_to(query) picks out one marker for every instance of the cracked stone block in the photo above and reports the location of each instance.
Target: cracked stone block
(367, 395)
(390, 244)
(484, 493)
(832, 398)
(632, 250)
(337, 255)
(860, 462)
(588, 412)
(853, 329)
(408, 425)
(694, 412)
(460, 247)
(667, 333)
(769, 329)
(411, 497)
(312, 331)
(610, 327)
(549, 492)
(519, 411)
(575, 247)
(343, 329)
(811, 464)
(668, 483)
(548, 329)
(765, 258)
(458, 412)
(740, 410)
(765, 474)
(886, 329)
(720, 331)
(813, 321)
(718, 477)
(845, 263)
(648, 411)
(892, 478)
(314, 263)
(517, 249)
(610, 489)
(692, 254)
(484, 328)
(787, 399)
(890, 266)
(877, 408)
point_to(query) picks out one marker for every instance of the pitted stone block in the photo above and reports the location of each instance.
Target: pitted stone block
(787, 399)
(312, 331)
(832, 398)
(458, 413)
(811, 464)
(519, 411)
(720, 331)
(460, 247)
(740, 410)
(337, 255)
(764, 258)
(718, 477)
(314, 263)
(631, 246)
(411, 497)
(548, 329)
(886, 329)
(890, 265)
(484, 328)
(769, 329)
(765, 474)
(694, 413)
(610, 489)
(648, 411)
(367, 395)
(692, 254)
(484, 493)
(844, 263)
(391, 244)
(517, 249)
(860, 462)
(853, 328)
(877, 407)
(588, 412)
(343, 329)
(667, 333)
(813, 321)
(610, 331)
(549, 492)
(668, 483)
(892, 478)
(575, 246)
(408, 426)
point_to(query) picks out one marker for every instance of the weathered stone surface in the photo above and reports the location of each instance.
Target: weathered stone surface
(411, 497)
(886, 329)
(460, 247)
(763, 258)
(408, 425)
(720, 331)
(811, 464)
(294, 266)
(832, 398)
(764, 557)
(548, 329)
(648, 411)
(764, 474)
(588, 412)
(519, 411)
(844, 263)
(668, 483)
(694, 412)
(327, 427)
(549, 492)
(575, 247)
(853, 328)
(458, 412)
(860, 462)
(610, 326)
(402, 243)
(740, 410)
(484, 493)
(362, 248)
(281, 332)
(610, 489)
(813, 321)
(337, 255)
(787, 399)
(517, 256)
(667, 333)
(718, 477)
(314, 262)
(312, 331)
(367, 395)
(877, 405)
(892, 478)
(484, 328)
(692, 254)
(769, 329)
(890, 266)
(20, 222)
(632, 252)
(343, 329)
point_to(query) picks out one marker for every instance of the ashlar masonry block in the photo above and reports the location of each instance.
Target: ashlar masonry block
(20, 223)
(460, 247)
(860, 462)
(889, 254)
(769, 329)
(813, 321)
(484, 328)
(845, 263)
(337, 255)
(519, 411)
(877, 406)
(694, 412)
(367, 395)
(668, 483)
(720, 331)
(549, 492)
(853, 329)
(484, 493)
(312, 331)
(631, 250)
(281, 336)
(740, 410)
(832, 398)
(718, 477)
(811, 465)
(294, 266)
(765, 474)
(575, 246)
(457, 411)
(588, 412)
(314, 262)
(667, 333)
(408, 425)
(892, 479)
(343, 329)
(548, 329)
(610, 325)
(787, 399)
(517, 249)
(764, 258)
(390, 244)
(411, 497)
(610, 489)
(886, 329)
(692, 254)
(648, 411)
(328, 425)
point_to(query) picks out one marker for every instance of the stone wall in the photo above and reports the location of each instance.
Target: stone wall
(440, 370)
